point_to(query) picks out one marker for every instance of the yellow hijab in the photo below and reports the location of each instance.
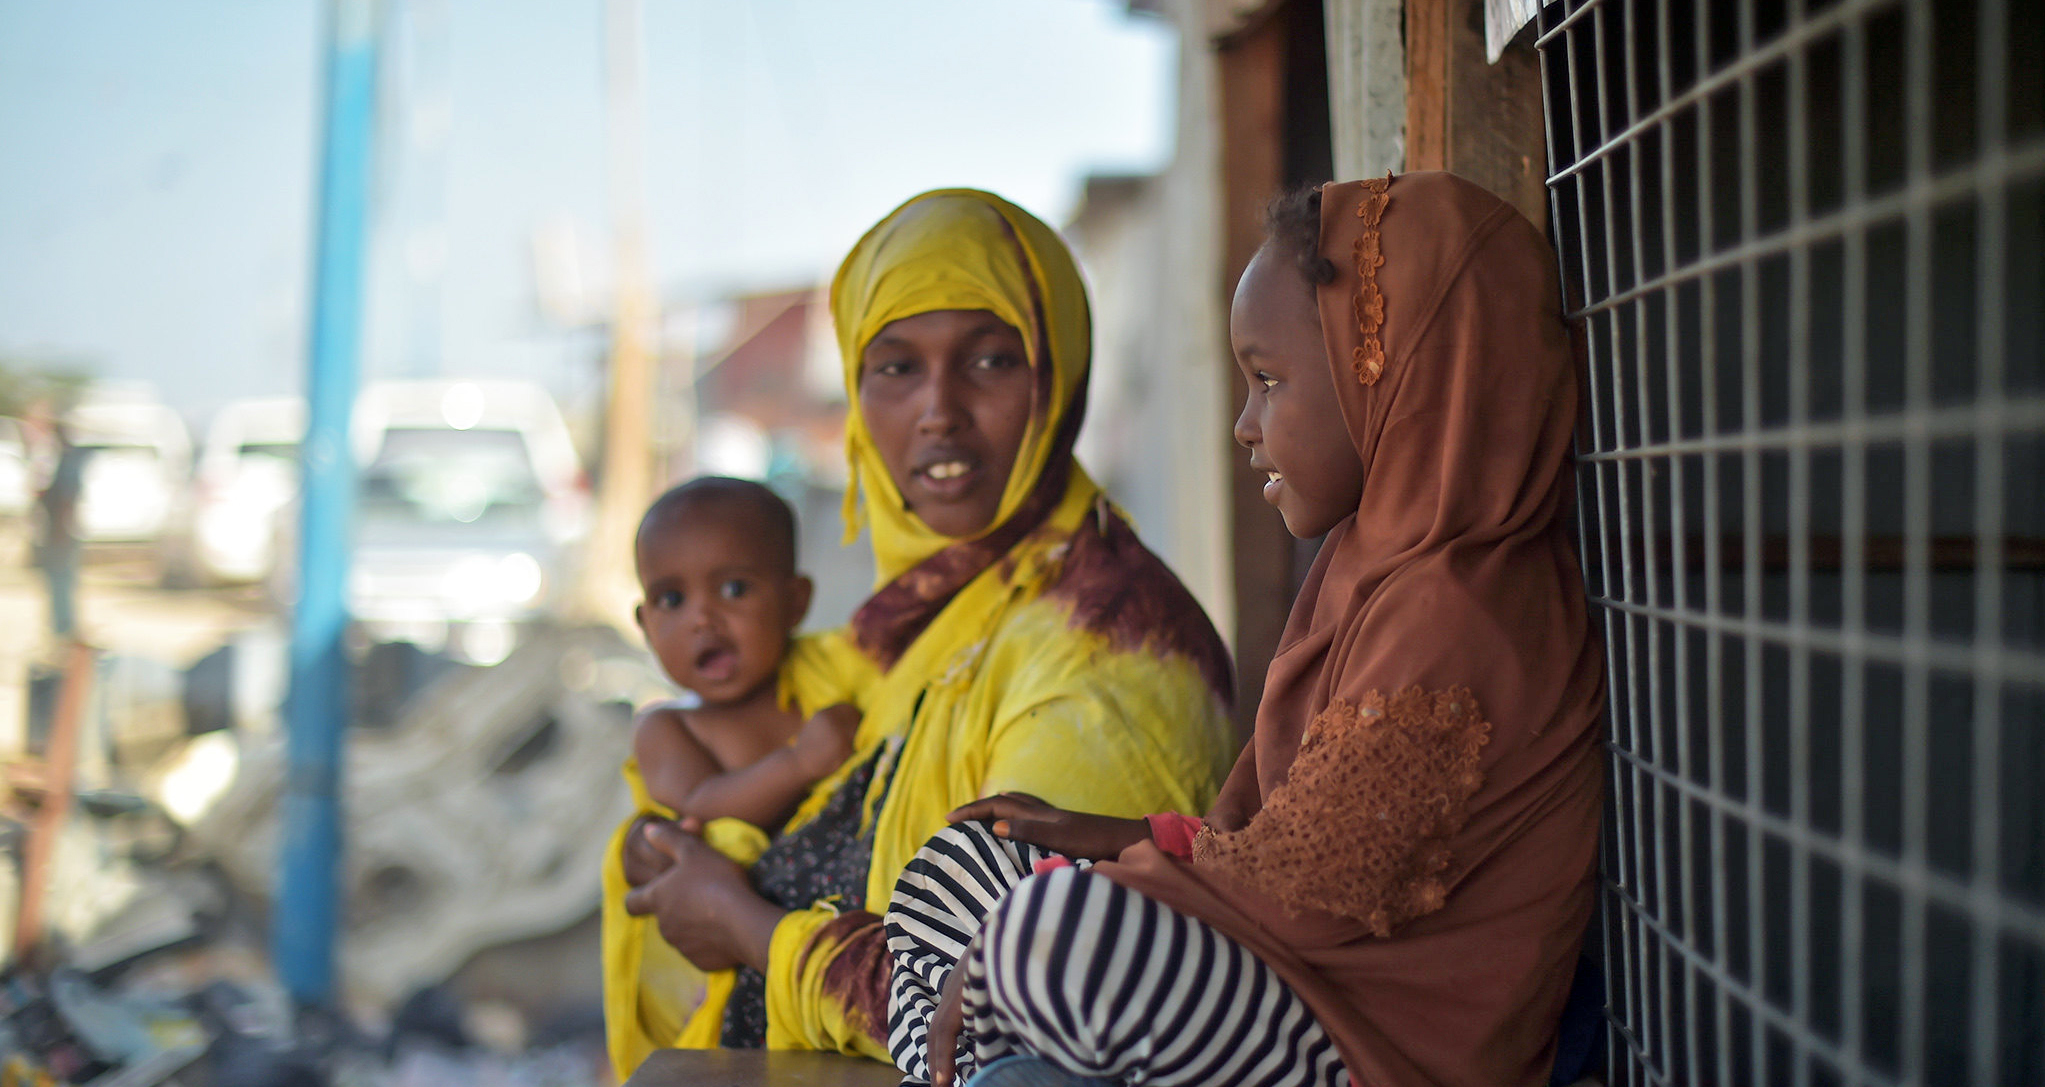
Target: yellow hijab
(958, 249)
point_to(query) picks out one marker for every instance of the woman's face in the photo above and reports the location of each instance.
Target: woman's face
(1291, 422)
(946, 396)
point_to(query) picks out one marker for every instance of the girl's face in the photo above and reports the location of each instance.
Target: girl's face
(946, 396)
(1291, 422)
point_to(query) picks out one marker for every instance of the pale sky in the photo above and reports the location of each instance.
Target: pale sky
(155, 206)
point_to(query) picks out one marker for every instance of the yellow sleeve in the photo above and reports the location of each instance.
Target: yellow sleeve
(1111, 733)
(823, 670)
(653, 997)
(801, 1013)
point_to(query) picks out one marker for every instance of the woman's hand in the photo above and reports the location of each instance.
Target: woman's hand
(941, 1044)
(703, 903)
(1024, 818)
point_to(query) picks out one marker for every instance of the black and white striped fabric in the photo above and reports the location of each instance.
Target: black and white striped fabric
(1080, 971)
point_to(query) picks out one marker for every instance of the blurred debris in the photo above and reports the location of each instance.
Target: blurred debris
(433, 875)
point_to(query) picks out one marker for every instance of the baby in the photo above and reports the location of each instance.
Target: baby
(716, 562)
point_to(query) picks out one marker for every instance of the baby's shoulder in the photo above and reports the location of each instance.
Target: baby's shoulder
(665, 723)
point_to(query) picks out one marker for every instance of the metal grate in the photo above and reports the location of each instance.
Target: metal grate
(1805, 242)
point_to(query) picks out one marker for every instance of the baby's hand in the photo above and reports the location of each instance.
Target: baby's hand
(825, 741)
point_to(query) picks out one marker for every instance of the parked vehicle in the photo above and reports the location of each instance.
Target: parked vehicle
(247, 483)
(17, 475)
(470, 502)
(136, 474)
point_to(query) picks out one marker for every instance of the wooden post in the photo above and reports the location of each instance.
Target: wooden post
(1253, 122)
(55, 809)
(1469, 116)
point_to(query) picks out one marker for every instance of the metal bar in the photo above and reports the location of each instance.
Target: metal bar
(1984, 418)
(1686, 866)
(1714, 574)
(1991, 79)
(1566, 22)
(1765, 1014)
(317, 709)
(1853, 513)
(2015, 665)
(1917, 338)
(1755, 716)
(2018, 165)
(1654, 814)
(1627, 694)
(2003, 915)
(1751, 60)
(1800, 772)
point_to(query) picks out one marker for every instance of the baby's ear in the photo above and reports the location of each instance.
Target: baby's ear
(800, 591)
(639, 616)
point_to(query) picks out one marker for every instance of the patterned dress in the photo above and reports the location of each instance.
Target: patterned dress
(826, 857)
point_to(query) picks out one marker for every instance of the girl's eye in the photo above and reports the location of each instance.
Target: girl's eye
(1266, 379)
(735, 588)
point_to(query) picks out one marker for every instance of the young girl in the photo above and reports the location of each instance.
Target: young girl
(1393, 884)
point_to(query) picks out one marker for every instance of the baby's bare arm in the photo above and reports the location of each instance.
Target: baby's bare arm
(765, 792)
(671, 760)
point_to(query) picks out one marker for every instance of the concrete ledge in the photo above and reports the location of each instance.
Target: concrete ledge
(760, 1068)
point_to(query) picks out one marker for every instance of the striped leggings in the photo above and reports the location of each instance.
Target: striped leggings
(1082, 972)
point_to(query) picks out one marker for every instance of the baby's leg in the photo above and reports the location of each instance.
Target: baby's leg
(1100, 980)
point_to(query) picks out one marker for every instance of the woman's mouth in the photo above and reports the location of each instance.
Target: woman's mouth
(949, 480)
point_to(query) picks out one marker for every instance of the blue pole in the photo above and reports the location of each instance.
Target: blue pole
(303, 921)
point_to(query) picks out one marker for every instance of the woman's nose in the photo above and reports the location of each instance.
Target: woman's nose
(943, 403)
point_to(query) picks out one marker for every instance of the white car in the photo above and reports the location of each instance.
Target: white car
(247, 482)
(135, 476)
(17, 475)
(470, 500)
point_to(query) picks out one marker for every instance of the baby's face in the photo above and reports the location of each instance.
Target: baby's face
(717, 610)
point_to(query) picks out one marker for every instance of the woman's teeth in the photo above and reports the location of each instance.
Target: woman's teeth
(947, 470)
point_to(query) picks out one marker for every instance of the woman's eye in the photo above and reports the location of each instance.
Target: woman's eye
(735, 588)
(997, 362)
(892, 368)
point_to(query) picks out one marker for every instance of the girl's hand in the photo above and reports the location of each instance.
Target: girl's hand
(1024, 818)
(941, 1045)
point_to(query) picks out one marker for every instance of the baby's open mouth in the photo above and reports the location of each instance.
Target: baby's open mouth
(717, 662)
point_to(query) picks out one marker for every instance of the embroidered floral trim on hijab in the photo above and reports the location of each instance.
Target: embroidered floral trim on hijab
(1361, 825)
(1368, 358)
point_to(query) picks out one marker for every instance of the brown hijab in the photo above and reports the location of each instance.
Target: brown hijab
(1410, 837)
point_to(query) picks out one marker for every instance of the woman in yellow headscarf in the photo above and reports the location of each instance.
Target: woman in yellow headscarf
(1020, 638)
